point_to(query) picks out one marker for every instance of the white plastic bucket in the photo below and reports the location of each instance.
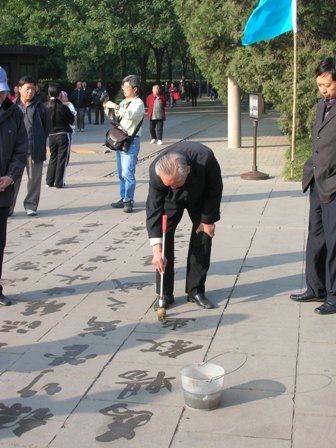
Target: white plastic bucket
(202, 385)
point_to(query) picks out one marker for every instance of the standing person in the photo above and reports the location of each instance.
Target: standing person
(130, 114)
(319, 176)
(193, 94)
(13, 154)
(185, 175)
(98, 97)
(172, 90)
(156, 104)
(59, 139)
(88, 99)
(77, 97)
(38, 125)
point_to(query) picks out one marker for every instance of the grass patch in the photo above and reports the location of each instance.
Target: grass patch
(303, 151)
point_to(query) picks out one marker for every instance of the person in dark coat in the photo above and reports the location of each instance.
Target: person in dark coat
(185, 175)
(59, 138)
(13, 156)
(319, 175)
(38, 124)
(79, 100)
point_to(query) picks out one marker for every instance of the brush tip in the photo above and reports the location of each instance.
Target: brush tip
(161, 314)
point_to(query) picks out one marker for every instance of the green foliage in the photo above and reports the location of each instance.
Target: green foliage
(303, 151)
(214, 29)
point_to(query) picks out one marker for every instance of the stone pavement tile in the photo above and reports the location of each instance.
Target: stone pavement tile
(152, 348)
(97, 328)
(244, 413)
(120, 424)
(214, 440)
(182, 320)
(254, 314)
(245, 369)
(49, 390)
(314, 354)
(33, 428)
(273, 285)
(280, 341)
(311, 431)
(158, 383)
(7, 359)
(67, 356)
(315, 394)
(26, 322)
(315, 328)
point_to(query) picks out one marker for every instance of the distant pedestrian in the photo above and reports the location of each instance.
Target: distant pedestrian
(193, 94)
(156, 104)
(99, 94)
(172, 94)
(77, 97)
(59, 138)
(88, 100)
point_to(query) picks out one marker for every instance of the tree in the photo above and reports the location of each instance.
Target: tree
(214, 29)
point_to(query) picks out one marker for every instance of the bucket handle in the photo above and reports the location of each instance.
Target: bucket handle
(224, 353)
(216, 377)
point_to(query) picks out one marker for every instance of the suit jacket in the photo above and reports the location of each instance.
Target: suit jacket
(321, 167)
(200, 195)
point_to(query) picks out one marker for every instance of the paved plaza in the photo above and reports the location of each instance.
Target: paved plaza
(84, 362)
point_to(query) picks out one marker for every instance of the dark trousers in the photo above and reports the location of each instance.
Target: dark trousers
(81, 118)
(193, 100)
(60, 145)
(155, 129)
(3, 232)
(198, 259)
(321, 247)
(99, 111)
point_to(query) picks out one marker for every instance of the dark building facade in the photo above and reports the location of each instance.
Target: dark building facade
(21, 60)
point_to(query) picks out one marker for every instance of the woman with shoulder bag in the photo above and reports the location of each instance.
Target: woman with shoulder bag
(129, 113)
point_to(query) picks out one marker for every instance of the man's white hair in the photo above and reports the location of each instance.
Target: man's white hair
(171, 165)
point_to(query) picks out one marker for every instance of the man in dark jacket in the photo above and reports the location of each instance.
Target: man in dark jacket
(187, 176)
(13, 155)
(319, 174)
(78, 99)
(38, 124)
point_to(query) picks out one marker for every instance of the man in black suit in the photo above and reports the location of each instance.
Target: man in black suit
(185, 175)
(319, 174)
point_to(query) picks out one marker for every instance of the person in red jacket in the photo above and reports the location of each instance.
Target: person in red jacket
(156, 104)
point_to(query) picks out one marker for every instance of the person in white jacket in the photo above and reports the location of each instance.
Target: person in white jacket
(129, 113)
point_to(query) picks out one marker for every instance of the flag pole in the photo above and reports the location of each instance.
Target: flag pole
(294, 107)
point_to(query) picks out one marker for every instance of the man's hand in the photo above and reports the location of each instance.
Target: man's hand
(209, 229)
(157, 261)
(5, 182)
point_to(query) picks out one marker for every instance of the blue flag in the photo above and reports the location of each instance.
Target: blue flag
(270, 19)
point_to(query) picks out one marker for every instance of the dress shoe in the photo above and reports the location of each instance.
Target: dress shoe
(167, 300)
(4, 301)
(200, 300)
(306, 297)
(326, 308)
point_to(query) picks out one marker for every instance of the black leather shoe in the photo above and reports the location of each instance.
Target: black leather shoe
(306, 297)
(326, 308)
(167, 300)
(200, 300)
(4, 300)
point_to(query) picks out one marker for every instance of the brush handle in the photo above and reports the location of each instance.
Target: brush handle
(164, 230)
